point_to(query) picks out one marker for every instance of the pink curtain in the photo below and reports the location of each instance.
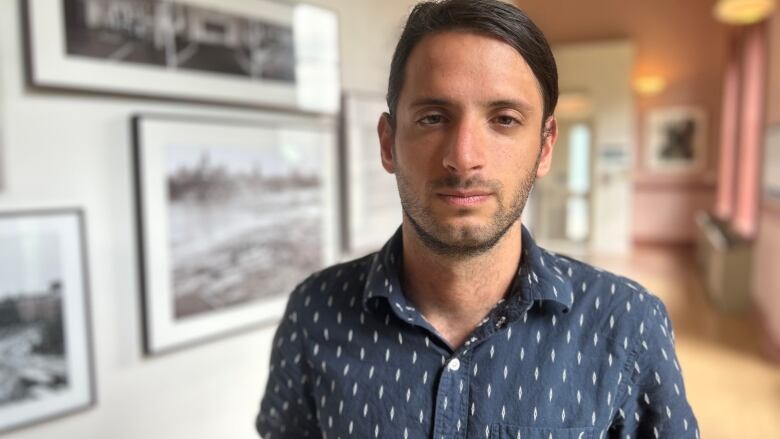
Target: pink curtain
(724, 200)
(751, 131)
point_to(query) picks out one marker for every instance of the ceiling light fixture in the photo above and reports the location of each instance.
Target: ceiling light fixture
(649, 85)
(741, 12)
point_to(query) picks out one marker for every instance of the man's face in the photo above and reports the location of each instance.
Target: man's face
(467, 142)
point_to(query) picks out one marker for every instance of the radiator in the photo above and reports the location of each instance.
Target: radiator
(723, 260)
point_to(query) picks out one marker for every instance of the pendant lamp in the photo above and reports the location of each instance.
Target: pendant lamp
(741, 12)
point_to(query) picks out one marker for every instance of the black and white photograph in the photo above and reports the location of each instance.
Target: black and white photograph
(245, 52)
(45, 365)
(179, 36)
(244, 223)
(372, 208)
(237, 215)
(676, 139)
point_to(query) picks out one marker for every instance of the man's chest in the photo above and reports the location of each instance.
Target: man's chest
(533, 378)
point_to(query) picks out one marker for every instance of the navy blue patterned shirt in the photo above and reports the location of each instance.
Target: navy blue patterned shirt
(572, 352)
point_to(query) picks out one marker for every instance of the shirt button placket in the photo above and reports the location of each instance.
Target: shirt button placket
(451, 398)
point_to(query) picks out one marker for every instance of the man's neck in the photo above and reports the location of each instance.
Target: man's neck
(456, 293)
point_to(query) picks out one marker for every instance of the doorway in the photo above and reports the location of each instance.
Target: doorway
(563, 212)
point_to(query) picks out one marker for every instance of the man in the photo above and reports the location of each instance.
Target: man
(460, 326)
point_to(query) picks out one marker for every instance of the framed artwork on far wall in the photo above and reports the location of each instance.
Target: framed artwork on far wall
(371, 206)
(238, 52)
(45, 341)
(676, 139)
(232, 215)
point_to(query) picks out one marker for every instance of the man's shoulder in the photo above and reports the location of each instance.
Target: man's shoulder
(600, 288)
(611, 304)
(333, 283)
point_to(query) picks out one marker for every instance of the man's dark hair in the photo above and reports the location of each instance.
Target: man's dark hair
(488, 17)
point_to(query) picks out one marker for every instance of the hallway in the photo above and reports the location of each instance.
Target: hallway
(734, 392)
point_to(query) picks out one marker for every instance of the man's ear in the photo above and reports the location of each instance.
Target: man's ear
(549, 137)
(386, 134)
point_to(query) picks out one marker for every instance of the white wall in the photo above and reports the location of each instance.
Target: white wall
(65, 149)
(603, 72)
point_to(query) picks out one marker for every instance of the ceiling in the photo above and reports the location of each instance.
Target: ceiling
(676, 37)
(565, 21)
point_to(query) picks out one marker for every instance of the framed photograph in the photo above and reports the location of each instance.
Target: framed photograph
(772, 163)
(676, 139)
(371, 206)
(244, 52)
(45, 340)
(232, 215)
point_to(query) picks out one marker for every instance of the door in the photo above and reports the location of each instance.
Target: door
(563, 198)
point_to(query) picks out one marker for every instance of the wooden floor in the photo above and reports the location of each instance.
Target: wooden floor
(734, 391)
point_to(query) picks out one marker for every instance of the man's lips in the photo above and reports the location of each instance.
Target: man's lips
(464, 198)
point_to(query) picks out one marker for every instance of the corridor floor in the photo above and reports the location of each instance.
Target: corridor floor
(733, 390)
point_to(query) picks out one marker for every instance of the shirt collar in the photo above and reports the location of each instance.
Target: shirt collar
(546, 276)
(541, 279)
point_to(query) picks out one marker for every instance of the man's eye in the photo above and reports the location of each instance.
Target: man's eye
(506, 120)
(431, 119)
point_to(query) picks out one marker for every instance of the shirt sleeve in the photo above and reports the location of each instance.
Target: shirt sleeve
(655, 404)
(287, 409)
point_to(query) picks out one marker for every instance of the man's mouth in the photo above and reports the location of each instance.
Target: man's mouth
(464, 198)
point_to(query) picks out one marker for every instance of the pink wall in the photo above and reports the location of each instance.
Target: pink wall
(766, 279)
(773, 96)
(677, 204)
(664, 205)
(681, 41)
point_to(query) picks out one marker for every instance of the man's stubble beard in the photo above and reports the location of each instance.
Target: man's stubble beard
(463, 242)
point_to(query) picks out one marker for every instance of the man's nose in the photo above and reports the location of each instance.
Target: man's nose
(465, 146)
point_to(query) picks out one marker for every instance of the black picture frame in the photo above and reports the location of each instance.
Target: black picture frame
(224, 233)
(45, 317)
(252, 53)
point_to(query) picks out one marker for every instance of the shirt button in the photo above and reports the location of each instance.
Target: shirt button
(454, 364)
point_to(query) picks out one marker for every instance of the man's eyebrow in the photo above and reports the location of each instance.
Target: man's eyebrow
(423, 101)
(519, 105)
